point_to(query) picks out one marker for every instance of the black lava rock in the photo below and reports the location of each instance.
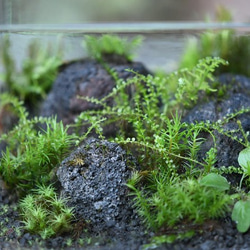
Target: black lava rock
(237, 96)
(94, 178)
(85, 78)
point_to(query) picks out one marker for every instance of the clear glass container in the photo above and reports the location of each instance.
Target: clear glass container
(163, 27)
(162, 46)
(161, 50)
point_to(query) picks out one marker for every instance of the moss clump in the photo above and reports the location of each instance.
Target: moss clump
(37, 73)
(166, 203)
(31, 154)
(98, 47)
(44, 213)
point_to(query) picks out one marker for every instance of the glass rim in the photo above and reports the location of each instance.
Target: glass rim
(123, 27)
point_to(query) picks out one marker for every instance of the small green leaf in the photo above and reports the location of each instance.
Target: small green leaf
(244, 160)
(216, 181)
(241, 215)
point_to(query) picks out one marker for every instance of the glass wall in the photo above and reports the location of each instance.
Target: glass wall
(84, 11)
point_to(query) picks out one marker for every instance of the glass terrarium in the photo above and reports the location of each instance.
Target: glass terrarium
(124, 124)
(165, 27)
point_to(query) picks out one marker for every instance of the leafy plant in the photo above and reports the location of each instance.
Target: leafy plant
(98, 47)
(36, 76)
(241, 210)
(44, 213)
(241, 216)
(216, 181)
(244, 160)
(167, 149)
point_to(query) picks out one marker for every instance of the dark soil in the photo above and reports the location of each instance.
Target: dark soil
(217, 234)
(220, 234)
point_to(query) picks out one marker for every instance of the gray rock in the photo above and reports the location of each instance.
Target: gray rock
(94, 179)
(236, 97)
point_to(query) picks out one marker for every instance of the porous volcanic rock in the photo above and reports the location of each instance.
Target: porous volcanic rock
(94, 179)
(236, 97)
(85, 78)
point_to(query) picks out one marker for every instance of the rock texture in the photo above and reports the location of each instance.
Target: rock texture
(85, 78)
(94, 178)
(236, 96)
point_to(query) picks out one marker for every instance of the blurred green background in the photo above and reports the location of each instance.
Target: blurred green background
(86, 11)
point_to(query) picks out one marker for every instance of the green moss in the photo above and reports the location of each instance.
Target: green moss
(168, 201)
(45, 214)
(98, 47)
(31, 154)
(37, 73)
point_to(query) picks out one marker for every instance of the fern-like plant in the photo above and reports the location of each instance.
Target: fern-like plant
(149, 109)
